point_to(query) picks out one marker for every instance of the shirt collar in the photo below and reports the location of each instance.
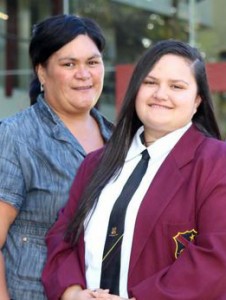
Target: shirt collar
(46, 111)
(160, 147)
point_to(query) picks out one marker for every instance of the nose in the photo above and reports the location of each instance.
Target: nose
(82, 72)
(160, 93)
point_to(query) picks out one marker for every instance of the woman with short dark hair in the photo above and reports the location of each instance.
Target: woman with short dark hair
(43, 146)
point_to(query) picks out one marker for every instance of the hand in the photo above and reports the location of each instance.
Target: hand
(100, 294)
(76, 293)
(103, 294)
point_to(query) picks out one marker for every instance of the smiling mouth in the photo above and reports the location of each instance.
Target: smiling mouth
(82, 88)
(157, 106)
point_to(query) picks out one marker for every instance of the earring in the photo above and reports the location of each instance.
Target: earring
(42, 87)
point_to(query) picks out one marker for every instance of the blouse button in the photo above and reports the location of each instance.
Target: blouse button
(24, 239)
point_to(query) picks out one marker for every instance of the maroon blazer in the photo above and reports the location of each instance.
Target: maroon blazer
(179, 245)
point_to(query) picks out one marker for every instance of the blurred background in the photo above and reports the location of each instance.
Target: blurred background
(130, 26)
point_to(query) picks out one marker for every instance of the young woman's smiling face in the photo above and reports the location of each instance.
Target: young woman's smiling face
(167, 99)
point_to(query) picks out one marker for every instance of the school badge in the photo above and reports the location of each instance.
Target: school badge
(182, 240)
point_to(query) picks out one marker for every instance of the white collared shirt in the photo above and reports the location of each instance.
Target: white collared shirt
(96, 230)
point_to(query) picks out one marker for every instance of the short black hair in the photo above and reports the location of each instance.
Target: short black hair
(51, 34)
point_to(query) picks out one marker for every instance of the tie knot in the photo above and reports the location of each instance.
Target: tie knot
(145, 155)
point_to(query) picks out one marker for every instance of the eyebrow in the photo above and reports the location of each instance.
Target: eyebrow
(171, 80)
(76, 59)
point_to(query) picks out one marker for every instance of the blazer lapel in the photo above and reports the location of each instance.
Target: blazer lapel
(162, 190)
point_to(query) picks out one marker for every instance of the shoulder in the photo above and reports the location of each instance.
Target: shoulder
(89, 164)
(212, 148)
(92, 159)
(196, 141)
(18, 121)
(21, 127)
(86, 170)
(209, 152)
(210, 157)
(194, 146)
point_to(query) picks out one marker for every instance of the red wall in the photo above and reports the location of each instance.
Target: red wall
(216, 73)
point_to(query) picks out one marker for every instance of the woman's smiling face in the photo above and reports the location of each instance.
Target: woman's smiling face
(73, 76)
(167, 98)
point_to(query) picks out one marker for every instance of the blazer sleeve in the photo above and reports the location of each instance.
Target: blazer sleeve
(199, 273)
(65, 264)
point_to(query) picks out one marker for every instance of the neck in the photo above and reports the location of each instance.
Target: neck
(148, 143)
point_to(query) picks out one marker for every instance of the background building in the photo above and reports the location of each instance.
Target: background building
(130, 27)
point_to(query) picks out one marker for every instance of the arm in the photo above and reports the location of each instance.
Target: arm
(65, 266)
(7, 215)
(10, 189)
(71, 292)
(104, 295)
(3, 287)
(76, 292)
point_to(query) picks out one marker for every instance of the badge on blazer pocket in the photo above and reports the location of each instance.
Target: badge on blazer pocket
(182, 240)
